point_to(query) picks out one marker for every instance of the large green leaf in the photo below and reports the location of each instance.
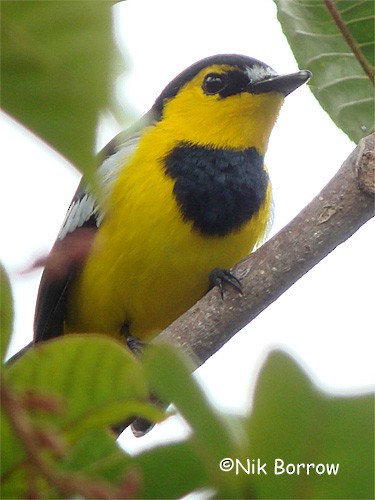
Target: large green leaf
(294, 422)
(89, 372)
(166, 472)
(213, 439)
(170, 471)
(6, 311)
(340, 83)
(55, 58)
(97, 380)
(96, 457)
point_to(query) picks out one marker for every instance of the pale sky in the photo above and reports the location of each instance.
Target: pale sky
(325, 320)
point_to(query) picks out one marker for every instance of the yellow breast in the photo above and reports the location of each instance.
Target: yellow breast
(148, 265)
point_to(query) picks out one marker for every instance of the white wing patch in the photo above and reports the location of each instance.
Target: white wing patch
(79, 212)
(84, 206)
(111, 166)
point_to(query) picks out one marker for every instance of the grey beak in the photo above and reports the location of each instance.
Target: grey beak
(285, 84)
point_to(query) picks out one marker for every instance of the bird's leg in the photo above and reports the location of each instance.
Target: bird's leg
(220, 277)
(140, 426)
(135, 345)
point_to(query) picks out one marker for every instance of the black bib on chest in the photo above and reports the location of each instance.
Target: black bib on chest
(217, 189)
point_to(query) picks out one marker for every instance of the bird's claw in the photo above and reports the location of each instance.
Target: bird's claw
(219, 277)
(136, 346)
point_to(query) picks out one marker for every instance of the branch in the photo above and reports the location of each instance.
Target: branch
(339, 210)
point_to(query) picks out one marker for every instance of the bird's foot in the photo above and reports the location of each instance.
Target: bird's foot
(221, 277)
(136, 346)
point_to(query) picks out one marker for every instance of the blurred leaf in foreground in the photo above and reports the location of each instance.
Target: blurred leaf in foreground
(294, 423)
(55, 60)
(6, 311)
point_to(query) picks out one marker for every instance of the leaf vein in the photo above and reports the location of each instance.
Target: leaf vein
(328, 54)
(318, 35)
(340, 80)
(345, 105)
(351, 7)
(359, 19)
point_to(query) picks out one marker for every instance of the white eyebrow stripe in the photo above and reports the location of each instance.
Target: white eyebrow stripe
(257, 73)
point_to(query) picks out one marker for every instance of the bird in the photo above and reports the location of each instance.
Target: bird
(185, 194)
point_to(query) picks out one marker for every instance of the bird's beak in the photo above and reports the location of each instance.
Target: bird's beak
(285, 84)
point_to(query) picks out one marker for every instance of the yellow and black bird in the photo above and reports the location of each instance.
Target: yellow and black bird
(186, 192)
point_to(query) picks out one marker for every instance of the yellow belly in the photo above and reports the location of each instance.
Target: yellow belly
(147, 265)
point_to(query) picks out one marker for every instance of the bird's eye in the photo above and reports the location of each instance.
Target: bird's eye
(213, 83)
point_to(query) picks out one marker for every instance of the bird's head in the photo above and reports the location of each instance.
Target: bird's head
(229, 101)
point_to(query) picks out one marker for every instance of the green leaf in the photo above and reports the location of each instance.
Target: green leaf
(55, 59)
(294, 422)
(12, 451)
(97, 455)
(18, 485)
(167, 472)
(6, 311)
(171, 471)
(340, 83)
(97, 380)
(112, 413)
(92, 374)
(169, 375)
